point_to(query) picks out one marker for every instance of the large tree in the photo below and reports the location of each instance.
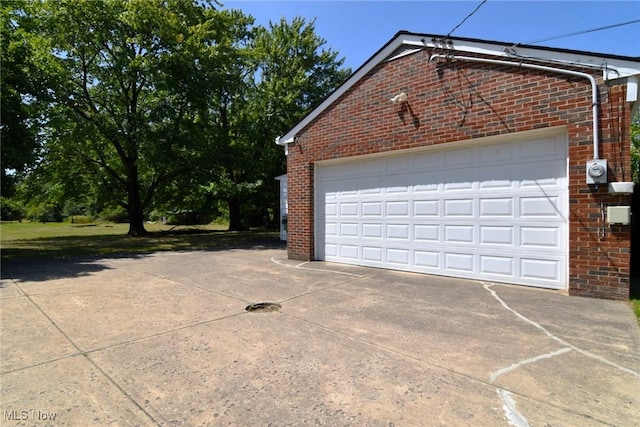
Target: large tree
(290, 72)
(130, 89)
(19, 86)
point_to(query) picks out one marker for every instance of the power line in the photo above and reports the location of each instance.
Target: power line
(468, 16)
(580, 32)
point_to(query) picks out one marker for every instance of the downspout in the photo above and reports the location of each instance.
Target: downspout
(594, 86)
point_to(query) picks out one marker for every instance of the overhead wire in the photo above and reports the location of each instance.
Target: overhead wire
(467, 17)
(576, 33)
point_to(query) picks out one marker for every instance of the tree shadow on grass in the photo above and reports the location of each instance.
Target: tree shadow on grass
(76, 256)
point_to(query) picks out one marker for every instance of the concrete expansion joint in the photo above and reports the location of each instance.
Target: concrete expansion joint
(79, 352)
(195, 285)
(558, 339)
(302, 267)
(514, 417)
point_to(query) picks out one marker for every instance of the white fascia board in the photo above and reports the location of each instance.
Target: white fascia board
(612, 68)
(633, 89)
(633, 94)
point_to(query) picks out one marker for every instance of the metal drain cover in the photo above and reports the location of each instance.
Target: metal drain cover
(263, 307)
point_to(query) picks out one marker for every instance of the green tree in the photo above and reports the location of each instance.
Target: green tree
(19, 85)
(130, 85)
(290, 72)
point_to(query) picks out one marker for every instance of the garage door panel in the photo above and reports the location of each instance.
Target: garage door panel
(398, 256)
(459, 185)
(549, 148)
(398, 231)
(494, 212)
(398, 164)
(331, 209)
(348, 209)
(350, 252)
(372, 254)
(540, 269)
(331, 251)
(397, 208)
(372, 230)
(548, 237)
(426, 187)
(497, 184)
(541, 174)
(502, 207)
(331, 229)
(503, 266)
(458, 208)
(372, 190)
(426, 208)
(427, 259)
(540, 206)
(496, 154)
(372, 209)
(540, 183)
(459, 234)
(349, 229)
(426, 161)
(503, 235)
(459, 158)
(458, 261)
(426, 233)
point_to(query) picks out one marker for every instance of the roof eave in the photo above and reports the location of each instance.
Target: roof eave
(613, 66)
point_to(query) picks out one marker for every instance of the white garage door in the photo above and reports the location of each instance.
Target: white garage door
(493, 211)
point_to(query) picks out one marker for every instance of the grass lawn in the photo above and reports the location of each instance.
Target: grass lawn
(635, 303)
(635, 297)
(59, 240)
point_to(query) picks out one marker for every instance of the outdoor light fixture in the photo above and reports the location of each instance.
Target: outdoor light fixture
(401, 97)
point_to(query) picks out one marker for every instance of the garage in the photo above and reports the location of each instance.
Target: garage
(471, 158)
(491, 209)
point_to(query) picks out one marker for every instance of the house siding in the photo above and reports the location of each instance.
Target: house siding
(461, 101)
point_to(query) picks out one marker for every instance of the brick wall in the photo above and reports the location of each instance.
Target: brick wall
(450, 102)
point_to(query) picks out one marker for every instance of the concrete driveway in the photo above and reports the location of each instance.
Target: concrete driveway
(164, 339)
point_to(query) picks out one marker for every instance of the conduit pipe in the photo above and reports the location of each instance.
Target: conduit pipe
(594, 85)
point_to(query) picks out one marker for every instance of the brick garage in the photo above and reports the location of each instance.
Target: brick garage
(461, 94)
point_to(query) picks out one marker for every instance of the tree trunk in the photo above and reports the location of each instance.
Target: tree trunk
(235, 219)
(136, 216)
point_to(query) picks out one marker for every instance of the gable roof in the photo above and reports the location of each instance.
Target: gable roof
(614, 67)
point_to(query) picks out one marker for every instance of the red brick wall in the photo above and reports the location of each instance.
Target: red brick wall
(462, 101)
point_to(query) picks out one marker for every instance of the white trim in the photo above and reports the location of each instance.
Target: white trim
(355, 77)
(318, 244)
(493, 139)
(284, 203)
(633, 90)
(612, 67)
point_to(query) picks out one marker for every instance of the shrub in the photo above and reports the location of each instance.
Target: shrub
(10, 210)
(79, 219)
(44, 212)
(116, 214)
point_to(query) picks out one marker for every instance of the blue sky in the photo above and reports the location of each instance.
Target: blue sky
(357, 29)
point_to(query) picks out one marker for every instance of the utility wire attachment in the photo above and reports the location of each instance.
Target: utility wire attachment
(467, 17)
